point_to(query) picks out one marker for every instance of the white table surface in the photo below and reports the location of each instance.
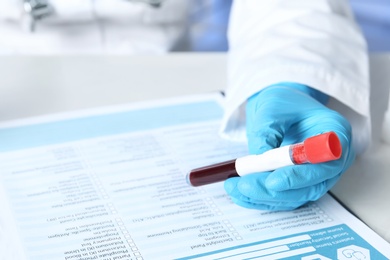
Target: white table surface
(31, 86)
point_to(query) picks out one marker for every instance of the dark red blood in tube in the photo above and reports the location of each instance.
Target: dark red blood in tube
(212, 173)
(298, 154)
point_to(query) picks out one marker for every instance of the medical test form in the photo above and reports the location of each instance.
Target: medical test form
(110, 183)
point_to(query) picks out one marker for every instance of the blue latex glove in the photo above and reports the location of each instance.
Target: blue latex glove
(284, 114)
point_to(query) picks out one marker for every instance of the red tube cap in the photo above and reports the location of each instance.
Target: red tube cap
(322, 148)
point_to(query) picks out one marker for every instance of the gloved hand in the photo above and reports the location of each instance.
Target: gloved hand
(280, 115)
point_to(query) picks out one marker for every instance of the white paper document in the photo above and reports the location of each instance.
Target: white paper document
(110, 184)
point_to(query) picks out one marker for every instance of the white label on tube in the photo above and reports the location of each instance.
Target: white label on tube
(268, 161)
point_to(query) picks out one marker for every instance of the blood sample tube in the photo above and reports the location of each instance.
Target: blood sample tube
(317, 149)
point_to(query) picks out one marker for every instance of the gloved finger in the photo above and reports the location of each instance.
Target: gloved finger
(263, 133)
(240, 199)
(251, 189)
(272, 111)
(300, 176)
(281, 206)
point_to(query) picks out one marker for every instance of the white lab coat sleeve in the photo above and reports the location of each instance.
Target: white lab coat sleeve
(315, 43)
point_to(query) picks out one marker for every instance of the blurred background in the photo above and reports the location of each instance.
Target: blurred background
(44, 44)
(142, 26)
(112, 26)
